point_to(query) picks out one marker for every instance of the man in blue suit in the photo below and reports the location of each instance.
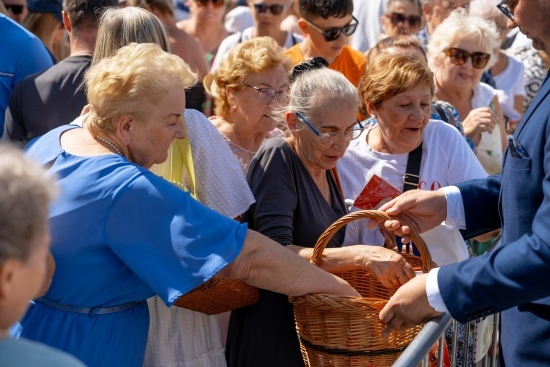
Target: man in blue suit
(513, 279)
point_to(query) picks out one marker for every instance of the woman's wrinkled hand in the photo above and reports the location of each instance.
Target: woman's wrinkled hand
(478, 121)
(387, 266)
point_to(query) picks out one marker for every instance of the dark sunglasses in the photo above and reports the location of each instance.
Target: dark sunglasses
(459, 57)
(215, 3)
(332, 34)
(15, 9)
(397, 18)
(275, 9)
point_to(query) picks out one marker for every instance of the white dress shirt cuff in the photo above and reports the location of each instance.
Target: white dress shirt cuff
(455, 208)
(432, 291)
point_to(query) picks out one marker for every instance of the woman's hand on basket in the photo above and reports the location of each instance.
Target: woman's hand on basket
(422, 209)
(408, 307)
(387, 266)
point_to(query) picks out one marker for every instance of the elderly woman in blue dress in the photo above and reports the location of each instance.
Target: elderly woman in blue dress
(121, 234)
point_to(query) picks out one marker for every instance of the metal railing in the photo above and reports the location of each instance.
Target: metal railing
(481, 352)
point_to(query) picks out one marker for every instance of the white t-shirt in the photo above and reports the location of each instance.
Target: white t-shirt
(238, 19)
(489, 150)
(368, 13)
(446, 160)
(233, 40)
(510, 81)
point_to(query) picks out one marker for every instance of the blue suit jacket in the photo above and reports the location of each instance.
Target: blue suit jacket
(515, 276)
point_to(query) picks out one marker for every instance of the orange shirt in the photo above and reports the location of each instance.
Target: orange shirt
(350, 62)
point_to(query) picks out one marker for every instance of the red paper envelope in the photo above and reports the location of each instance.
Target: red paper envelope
(376, 190)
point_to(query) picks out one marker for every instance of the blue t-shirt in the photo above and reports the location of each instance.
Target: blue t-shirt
(120, 234)
(24, 353)
(21, 54)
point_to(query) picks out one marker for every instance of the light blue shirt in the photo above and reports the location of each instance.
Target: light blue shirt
(24, 353)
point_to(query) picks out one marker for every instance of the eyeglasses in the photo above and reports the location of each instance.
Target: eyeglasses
(16, 9)
(397, 18)
(459, 57)
(268, 94)
(506, 10)
(332, 138)
(275, 9)
(332, 34)
(215, 3)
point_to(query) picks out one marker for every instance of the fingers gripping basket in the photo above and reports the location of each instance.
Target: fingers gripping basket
(346, 331)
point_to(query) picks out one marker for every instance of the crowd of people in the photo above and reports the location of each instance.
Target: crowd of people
(161, 143)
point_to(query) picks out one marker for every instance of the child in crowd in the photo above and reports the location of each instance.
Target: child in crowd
(327, 26)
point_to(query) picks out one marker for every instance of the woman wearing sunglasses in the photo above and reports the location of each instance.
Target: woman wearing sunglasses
(16, 9)
(267, 16)
(206, 25)
(401, 17)
(460, 50)
(297, 198)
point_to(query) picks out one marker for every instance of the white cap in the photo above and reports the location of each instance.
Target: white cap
(238, 19)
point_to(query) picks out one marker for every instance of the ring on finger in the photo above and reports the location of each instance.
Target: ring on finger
(394, 281)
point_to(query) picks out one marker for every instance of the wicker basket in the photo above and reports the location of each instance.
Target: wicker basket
(346, 331)
(219, 295)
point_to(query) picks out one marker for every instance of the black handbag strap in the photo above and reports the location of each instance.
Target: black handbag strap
(440, 112)
(411, 178)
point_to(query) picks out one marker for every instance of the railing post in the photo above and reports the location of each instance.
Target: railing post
(421, 345)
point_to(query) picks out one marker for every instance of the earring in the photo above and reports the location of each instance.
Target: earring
(233, 108)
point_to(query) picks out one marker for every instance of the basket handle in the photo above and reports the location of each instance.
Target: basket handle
(369, 214)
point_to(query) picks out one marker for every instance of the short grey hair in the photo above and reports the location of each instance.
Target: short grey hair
(26, 191)
(486, 9)
(461, 25)
(312, 88)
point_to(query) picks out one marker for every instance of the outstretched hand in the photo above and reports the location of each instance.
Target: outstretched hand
(408, 307)
(424, 210)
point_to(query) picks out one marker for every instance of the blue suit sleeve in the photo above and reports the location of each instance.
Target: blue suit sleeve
(515, 272)
(480, 199)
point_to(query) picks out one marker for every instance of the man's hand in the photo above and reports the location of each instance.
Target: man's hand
(424, 210)
(408, 307)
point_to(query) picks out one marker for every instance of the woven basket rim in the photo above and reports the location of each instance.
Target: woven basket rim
(324, 239)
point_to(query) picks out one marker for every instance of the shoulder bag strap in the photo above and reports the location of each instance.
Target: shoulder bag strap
(411, 178)
(441, 113)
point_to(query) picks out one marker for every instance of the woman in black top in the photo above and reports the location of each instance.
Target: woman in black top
(297, 198)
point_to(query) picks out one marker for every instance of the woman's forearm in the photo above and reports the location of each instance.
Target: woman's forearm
(386, 265)
(266, 264)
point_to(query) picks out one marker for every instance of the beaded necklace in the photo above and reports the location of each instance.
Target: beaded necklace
(109, 143)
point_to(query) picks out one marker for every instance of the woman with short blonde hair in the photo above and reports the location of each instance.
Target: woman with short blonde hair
(121, 234)
(248, 86)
